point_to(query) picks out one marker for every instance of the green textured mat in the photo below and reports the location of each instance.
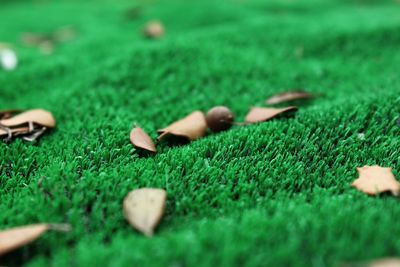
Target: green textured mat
(273, 194)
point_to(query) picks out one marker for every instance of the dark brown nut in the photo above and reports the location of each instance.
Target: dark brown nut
(219, 118)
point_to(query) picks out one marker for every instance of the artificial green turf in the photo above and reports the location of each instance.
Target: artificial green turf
(273, 194)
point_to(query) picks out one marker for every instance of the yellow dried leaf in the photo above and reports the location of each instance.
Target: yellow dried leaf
(192, 127)
(143, 208)
(375, 179)
(38, 116)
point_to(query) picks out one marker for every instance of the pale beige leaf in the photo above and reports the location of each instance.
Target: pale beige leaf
(263, 114)
(375, 179)
(192, 127)
(141, 139)
(38, 116)
(288, 96)
(387, 262)
(143, 208)
(17, 237)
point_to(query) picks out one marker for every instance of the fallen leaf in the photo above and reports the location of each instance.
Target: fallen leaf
(384, 262)
(38, 116)
(288, 96)
(141, 139)
(154, 29)
(191, 128)
(263, 114)
(375, 179)
(143, 208)
(388, 262)
(17, 237)
(8, 59)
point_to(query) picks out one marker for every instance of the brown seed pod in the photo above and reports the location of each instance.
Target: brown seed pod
(154, 29)
(219, 118)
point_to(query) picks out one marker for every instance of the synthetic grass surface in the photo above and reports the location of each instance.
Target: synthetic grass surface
(273, 194)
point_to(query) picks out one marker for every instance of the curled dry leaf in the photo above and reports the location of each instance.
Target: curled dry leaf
(140, 139)
(191, 128)
(143, 208)
(375, 179)
(37, 116)
(17, 237)
(288, 96)
(263, 114)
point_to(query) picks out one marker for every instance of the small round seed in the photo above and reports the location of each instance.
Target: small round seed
(219, 118)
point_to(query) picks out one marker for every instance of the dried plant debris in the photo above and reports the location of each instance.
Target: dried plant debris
(375, 180)
(30, 124)
(47, 42)
(288, 96)
(140, 139)
(143, 208)
(15, 238)
(154, 30)
(190, 128)
(384, 262)
(219, 118)
(264, 114)
(8, 58)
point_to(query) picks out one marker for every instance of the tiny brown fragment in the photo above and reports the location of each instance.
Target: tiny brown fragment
(143, 208)
(17, 237)
(140, 139)
(263, 114)
(374, 180)
(219, 118)
(154, 29)
(38, 116)
(191, 128)
(288, 96)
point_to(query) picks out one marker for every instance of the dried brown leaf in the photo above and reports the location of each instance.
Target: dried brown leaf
(17, 237)
(140, 139)
(143, 208)
(375, 179)
(38, 116)
(263, 114)
(192, 127)
(288, 96)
